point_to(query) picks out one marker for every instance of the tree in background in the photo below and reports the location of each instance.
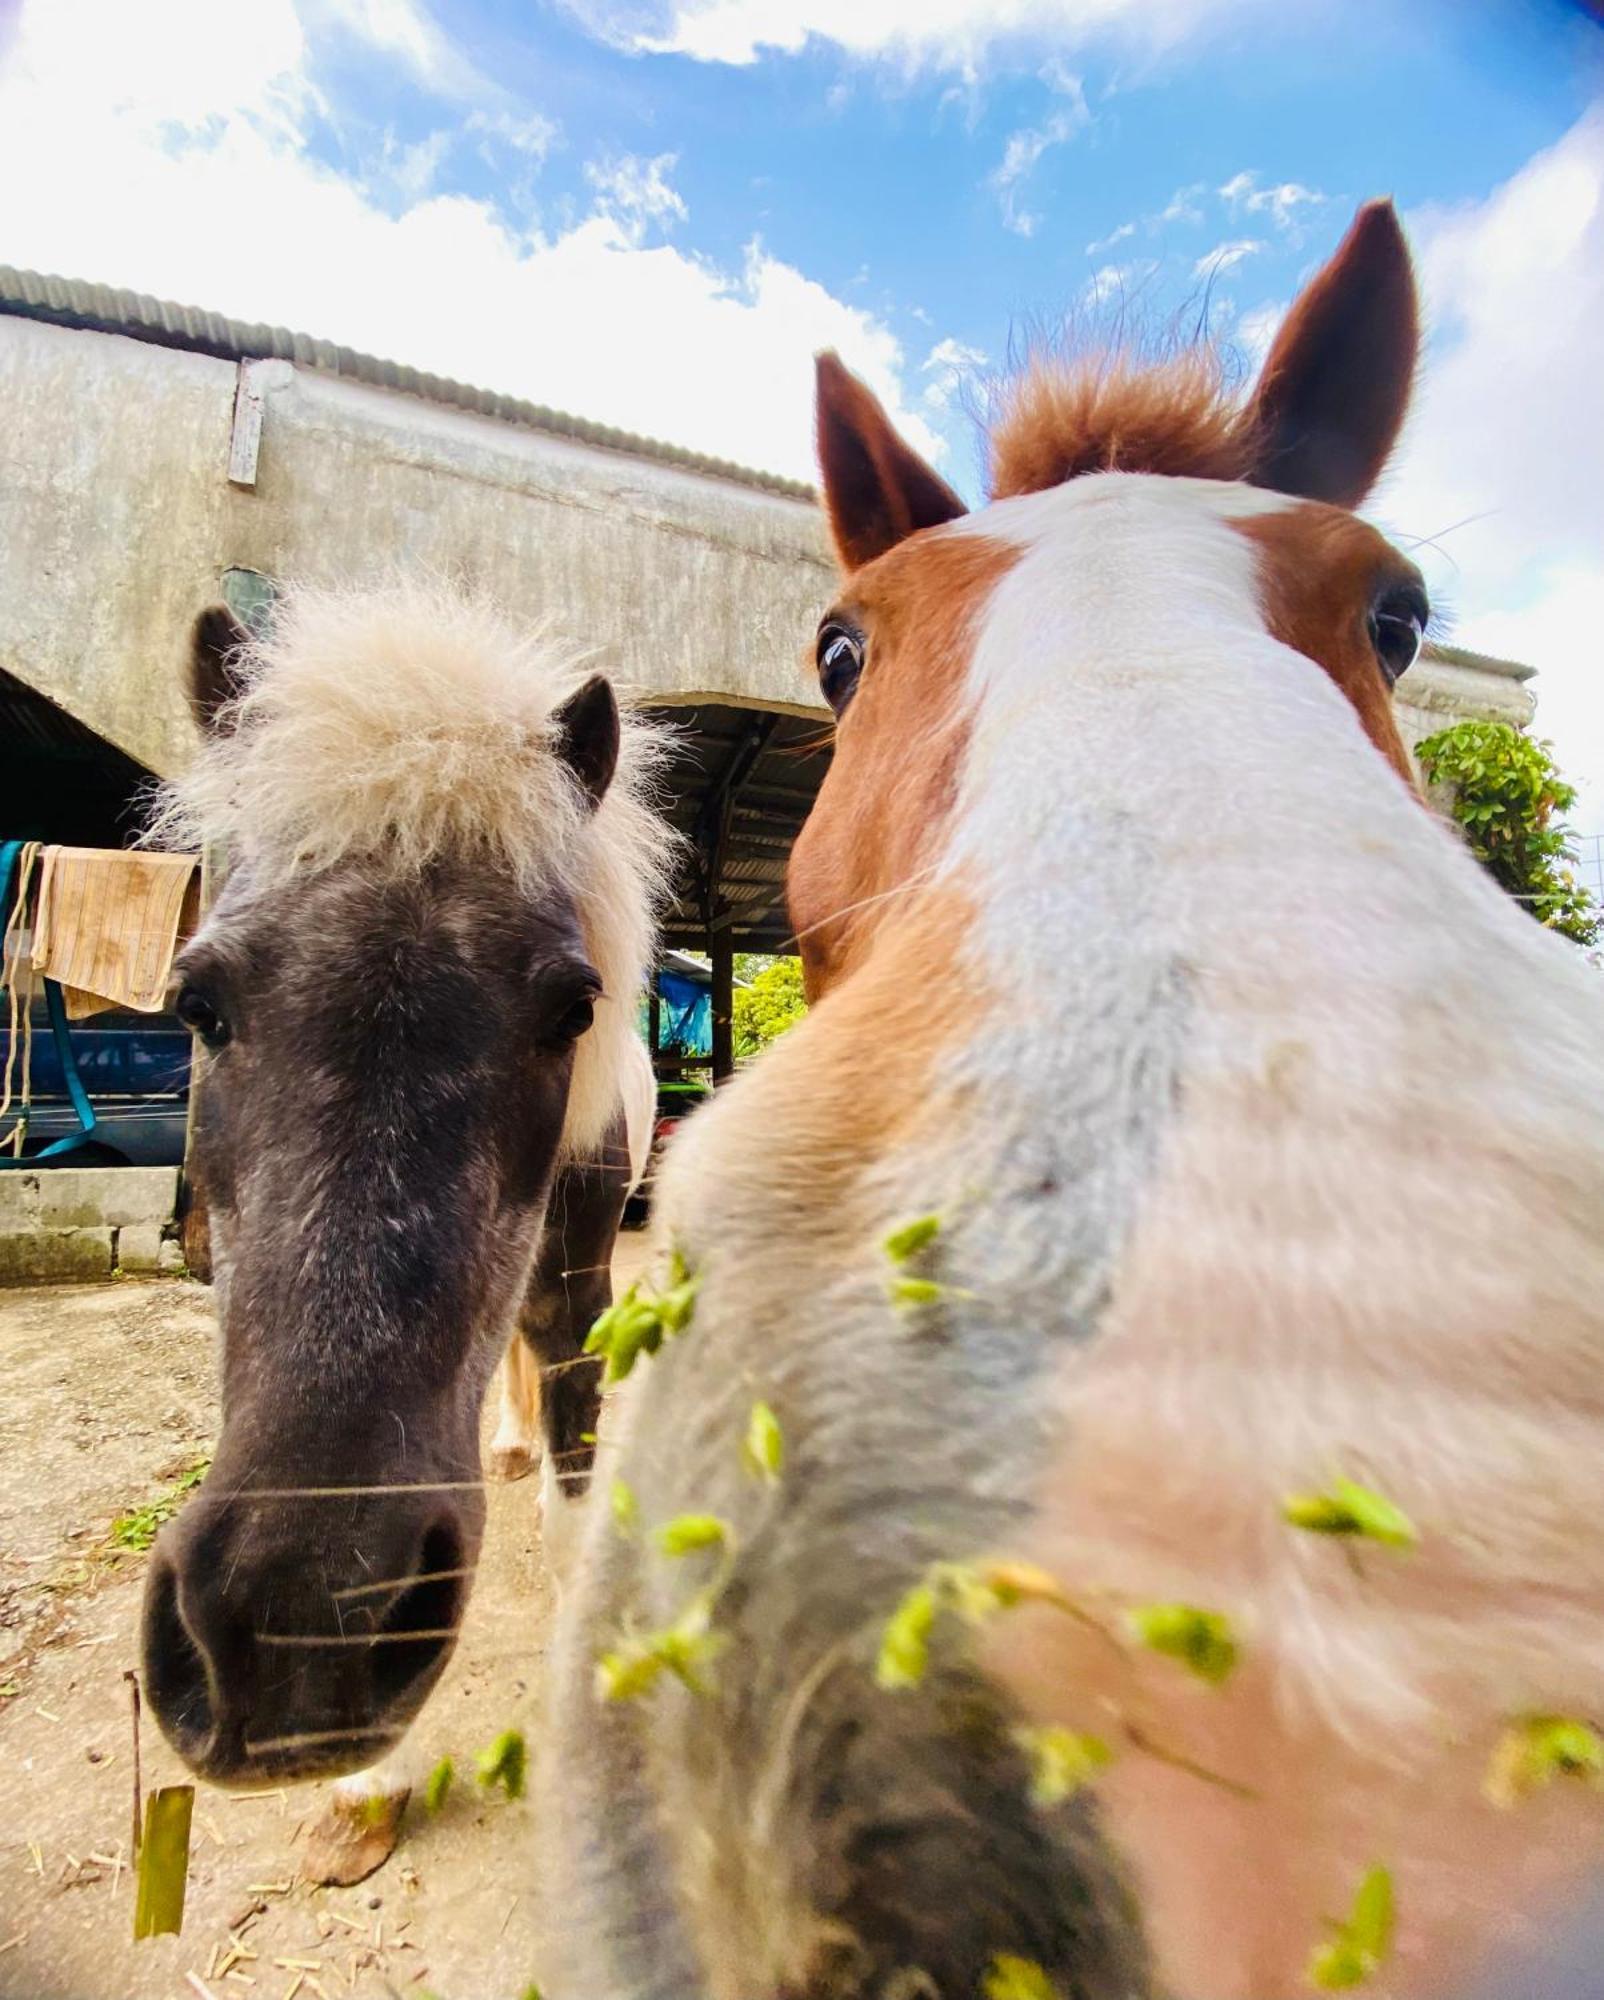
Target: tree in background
(770, 1002)
(1505, 790)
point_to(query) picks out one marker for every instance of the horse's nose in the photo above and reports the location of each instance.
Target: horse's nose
(297, 1654)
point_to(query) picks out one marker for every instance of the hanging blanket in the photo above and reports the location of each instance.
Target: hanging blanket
(108, 925)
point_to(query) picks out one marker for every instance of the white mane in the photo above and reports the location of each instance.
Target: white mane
(394, 727)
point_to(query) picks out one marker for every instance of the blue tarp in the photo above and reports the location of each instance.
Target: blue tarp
(686, 1020)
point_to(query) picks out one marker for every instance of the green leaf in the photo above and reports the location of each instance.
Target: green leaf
(906, 1241)
(1011, 1978)
(163, 1868)
(1201, 1641)
(625, 1507)
(505, 1763)
(688, 1532)
(628, 1672)
(905, 1643)
(1349, 1509)
(1538, 1749)
(438, 1784)
(641, 1320)
(685, 1649)
(1362, 1942)
(1062, 1761)
(913, 1293)
(763, 1450)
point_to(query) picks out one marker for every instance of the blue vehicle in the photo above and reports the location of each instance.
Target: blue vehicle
(135, 1068)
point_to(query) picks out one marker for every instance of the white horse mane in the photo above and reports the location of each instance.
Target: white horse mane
(394, 727)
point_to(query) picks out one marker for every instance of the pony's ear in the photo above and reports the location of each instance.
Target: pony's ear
(876, 490)
(214, 673)
(1331, 399)
(587, 736)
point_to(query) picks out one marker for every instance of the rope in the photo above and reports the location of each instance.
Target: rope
(18, 857)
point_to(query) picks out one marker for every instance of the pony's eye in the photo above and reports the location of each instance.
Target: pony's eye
(198, 1013)
(840, 664)
(574, 1021)
(1397, 631)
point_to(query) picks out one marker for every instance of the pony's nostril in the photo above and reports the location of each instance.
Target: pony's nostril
(177, 1681)
(430, 1606)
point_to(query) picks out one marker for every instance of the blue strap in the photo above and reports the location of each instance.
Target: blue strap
(56, 1007)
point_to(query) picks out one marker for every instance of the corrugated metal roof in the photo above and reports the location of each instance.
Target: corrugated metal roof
(104, 309)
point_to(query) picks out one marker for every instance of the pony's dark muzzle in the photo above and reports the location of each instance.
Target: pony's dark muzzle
(279, 1646)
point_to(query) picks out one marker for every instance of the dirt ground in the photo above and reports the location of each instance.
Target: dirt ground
(109, 1397)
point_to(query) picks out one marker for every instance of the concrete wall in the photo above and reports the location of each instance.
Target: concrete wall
(86, 1222)
(117, 521)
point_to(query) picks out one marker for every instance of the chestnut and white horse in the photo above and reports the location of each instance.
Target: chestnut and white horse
(1171, 1252)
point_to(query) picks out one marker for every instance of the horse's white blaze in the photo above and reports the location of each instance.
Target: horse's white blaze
(1328, 1116)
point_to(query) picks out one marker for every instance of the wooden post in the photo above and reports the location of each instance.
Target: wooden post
(721, 950)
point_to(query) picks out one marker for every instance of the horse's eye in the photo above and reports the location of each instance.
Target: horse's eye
(574, 1021)
(840, 664)
(197, 1012)
(1397, 631)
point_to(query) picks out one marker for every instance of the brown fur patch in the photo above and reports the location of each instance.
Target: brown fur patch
(1062, 418)
(898, 745)
(1320, 570)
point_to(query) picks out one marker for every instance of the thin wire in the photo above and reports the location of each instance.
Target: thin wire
(401, 1582)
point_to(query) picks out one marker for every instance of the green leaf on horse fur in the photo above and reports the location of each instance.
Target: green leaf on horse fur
(1011, 1978)
(1062, 1761)
(1350, 1509)
(763, 1449)
(688, 1532)
(625, 1507)
(505, 1763)
(684, 1649)
(905, 1643)
(642, 1320)
(974, 1591)
(1539, 1748)
(906, 1241)
(438, 1783)
(163, 1869)
(912, 1293)
(1362, 1942)
(1202, 1641)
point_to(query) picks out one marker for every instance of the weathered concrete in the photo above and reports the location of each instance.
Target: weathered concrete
(117, 521)
(84, 1222)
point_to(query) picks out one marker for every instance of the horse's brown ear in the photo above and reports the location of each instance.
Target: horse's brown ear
(876, 490)
(587, 736)
(1331, 398)
(215, 679)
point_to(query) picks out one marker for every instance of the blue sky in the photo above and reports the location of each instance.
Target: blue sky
(652, 211)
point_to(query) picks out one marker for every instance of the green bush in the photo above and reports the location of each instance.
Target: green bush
(1508, 795)
(770, 1003)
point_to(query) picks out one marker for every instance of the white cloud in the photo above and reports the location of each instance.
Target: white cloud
(1112, 284)
(1256, 329)
(1125, 231)
(949, 364)
(1284, 204)
(636, 193)
(1025, 149)
(529, 133)
(1183, 205)
(954, 34)
(1226, 256)
(142, 142)
(1501, 462)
